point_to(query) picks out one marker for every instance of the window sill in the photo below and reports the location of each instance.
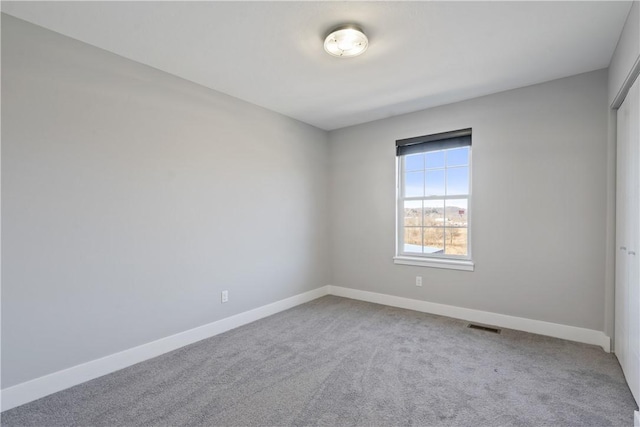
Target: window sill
(452, 264)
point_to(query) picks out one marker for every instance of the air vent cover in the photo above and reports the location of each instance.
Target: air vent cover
(484, 328)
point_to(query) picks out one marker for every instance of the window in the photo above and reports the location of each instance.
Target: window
(434, 194)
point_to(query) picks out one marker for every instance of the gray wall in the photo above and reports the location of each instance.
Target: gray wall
(538, 209)
(131, 198)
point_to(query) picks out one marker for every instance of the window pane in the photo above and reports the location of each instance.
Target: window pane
(414, 184)
(435, 183)
(435, 159)
(458, 156)
(413, 239)
(456, 240)
(414, 162)
(434, 213)
(435, 222)
(433, 240)
(456, 212)
(412, 213)
(458, 181)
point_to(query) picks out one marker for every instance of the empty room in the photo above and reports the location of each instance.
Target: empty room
(320, 213)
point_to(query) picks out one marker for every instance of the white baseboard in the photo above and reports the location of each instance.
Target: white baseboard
(57, 381)
(35, 389)
(636, 419)
(571, 333)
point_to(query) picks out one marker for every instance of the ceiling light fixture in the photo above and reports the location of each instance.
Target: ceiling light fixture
(346, 41)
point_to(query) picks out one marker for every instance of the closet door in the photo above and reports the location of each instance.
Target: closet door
(622, 241)
(627, 345)
(633, 305)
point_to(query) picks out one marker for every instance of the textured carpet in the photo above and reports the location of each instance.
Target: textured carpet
(336, 361)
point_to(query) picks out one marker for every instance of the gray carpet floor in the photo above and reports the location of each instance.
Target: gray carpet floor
(336, 361)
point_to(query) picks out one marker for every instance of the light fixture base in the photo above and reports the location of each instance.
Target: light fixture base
(346, 41)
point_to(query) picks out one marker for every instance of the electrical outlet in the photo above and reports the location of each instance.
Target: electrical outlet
(418, 280)
(225, 296)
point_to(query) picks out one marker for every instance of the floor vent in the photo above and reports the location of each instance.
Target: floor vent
(484, 328)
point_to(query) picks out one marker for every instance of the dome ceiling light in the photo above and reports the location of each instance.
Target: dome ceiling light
(346, 41)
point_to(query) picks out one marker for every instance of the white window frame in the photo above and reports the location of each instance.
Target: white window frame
(456, 262)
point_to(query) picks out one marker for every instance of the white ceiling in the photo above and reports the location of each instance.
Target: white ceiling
(421, 54)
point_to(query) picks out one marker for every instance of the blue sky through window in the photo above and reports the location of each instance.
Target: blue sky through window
(426, 172)
(435, 159)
